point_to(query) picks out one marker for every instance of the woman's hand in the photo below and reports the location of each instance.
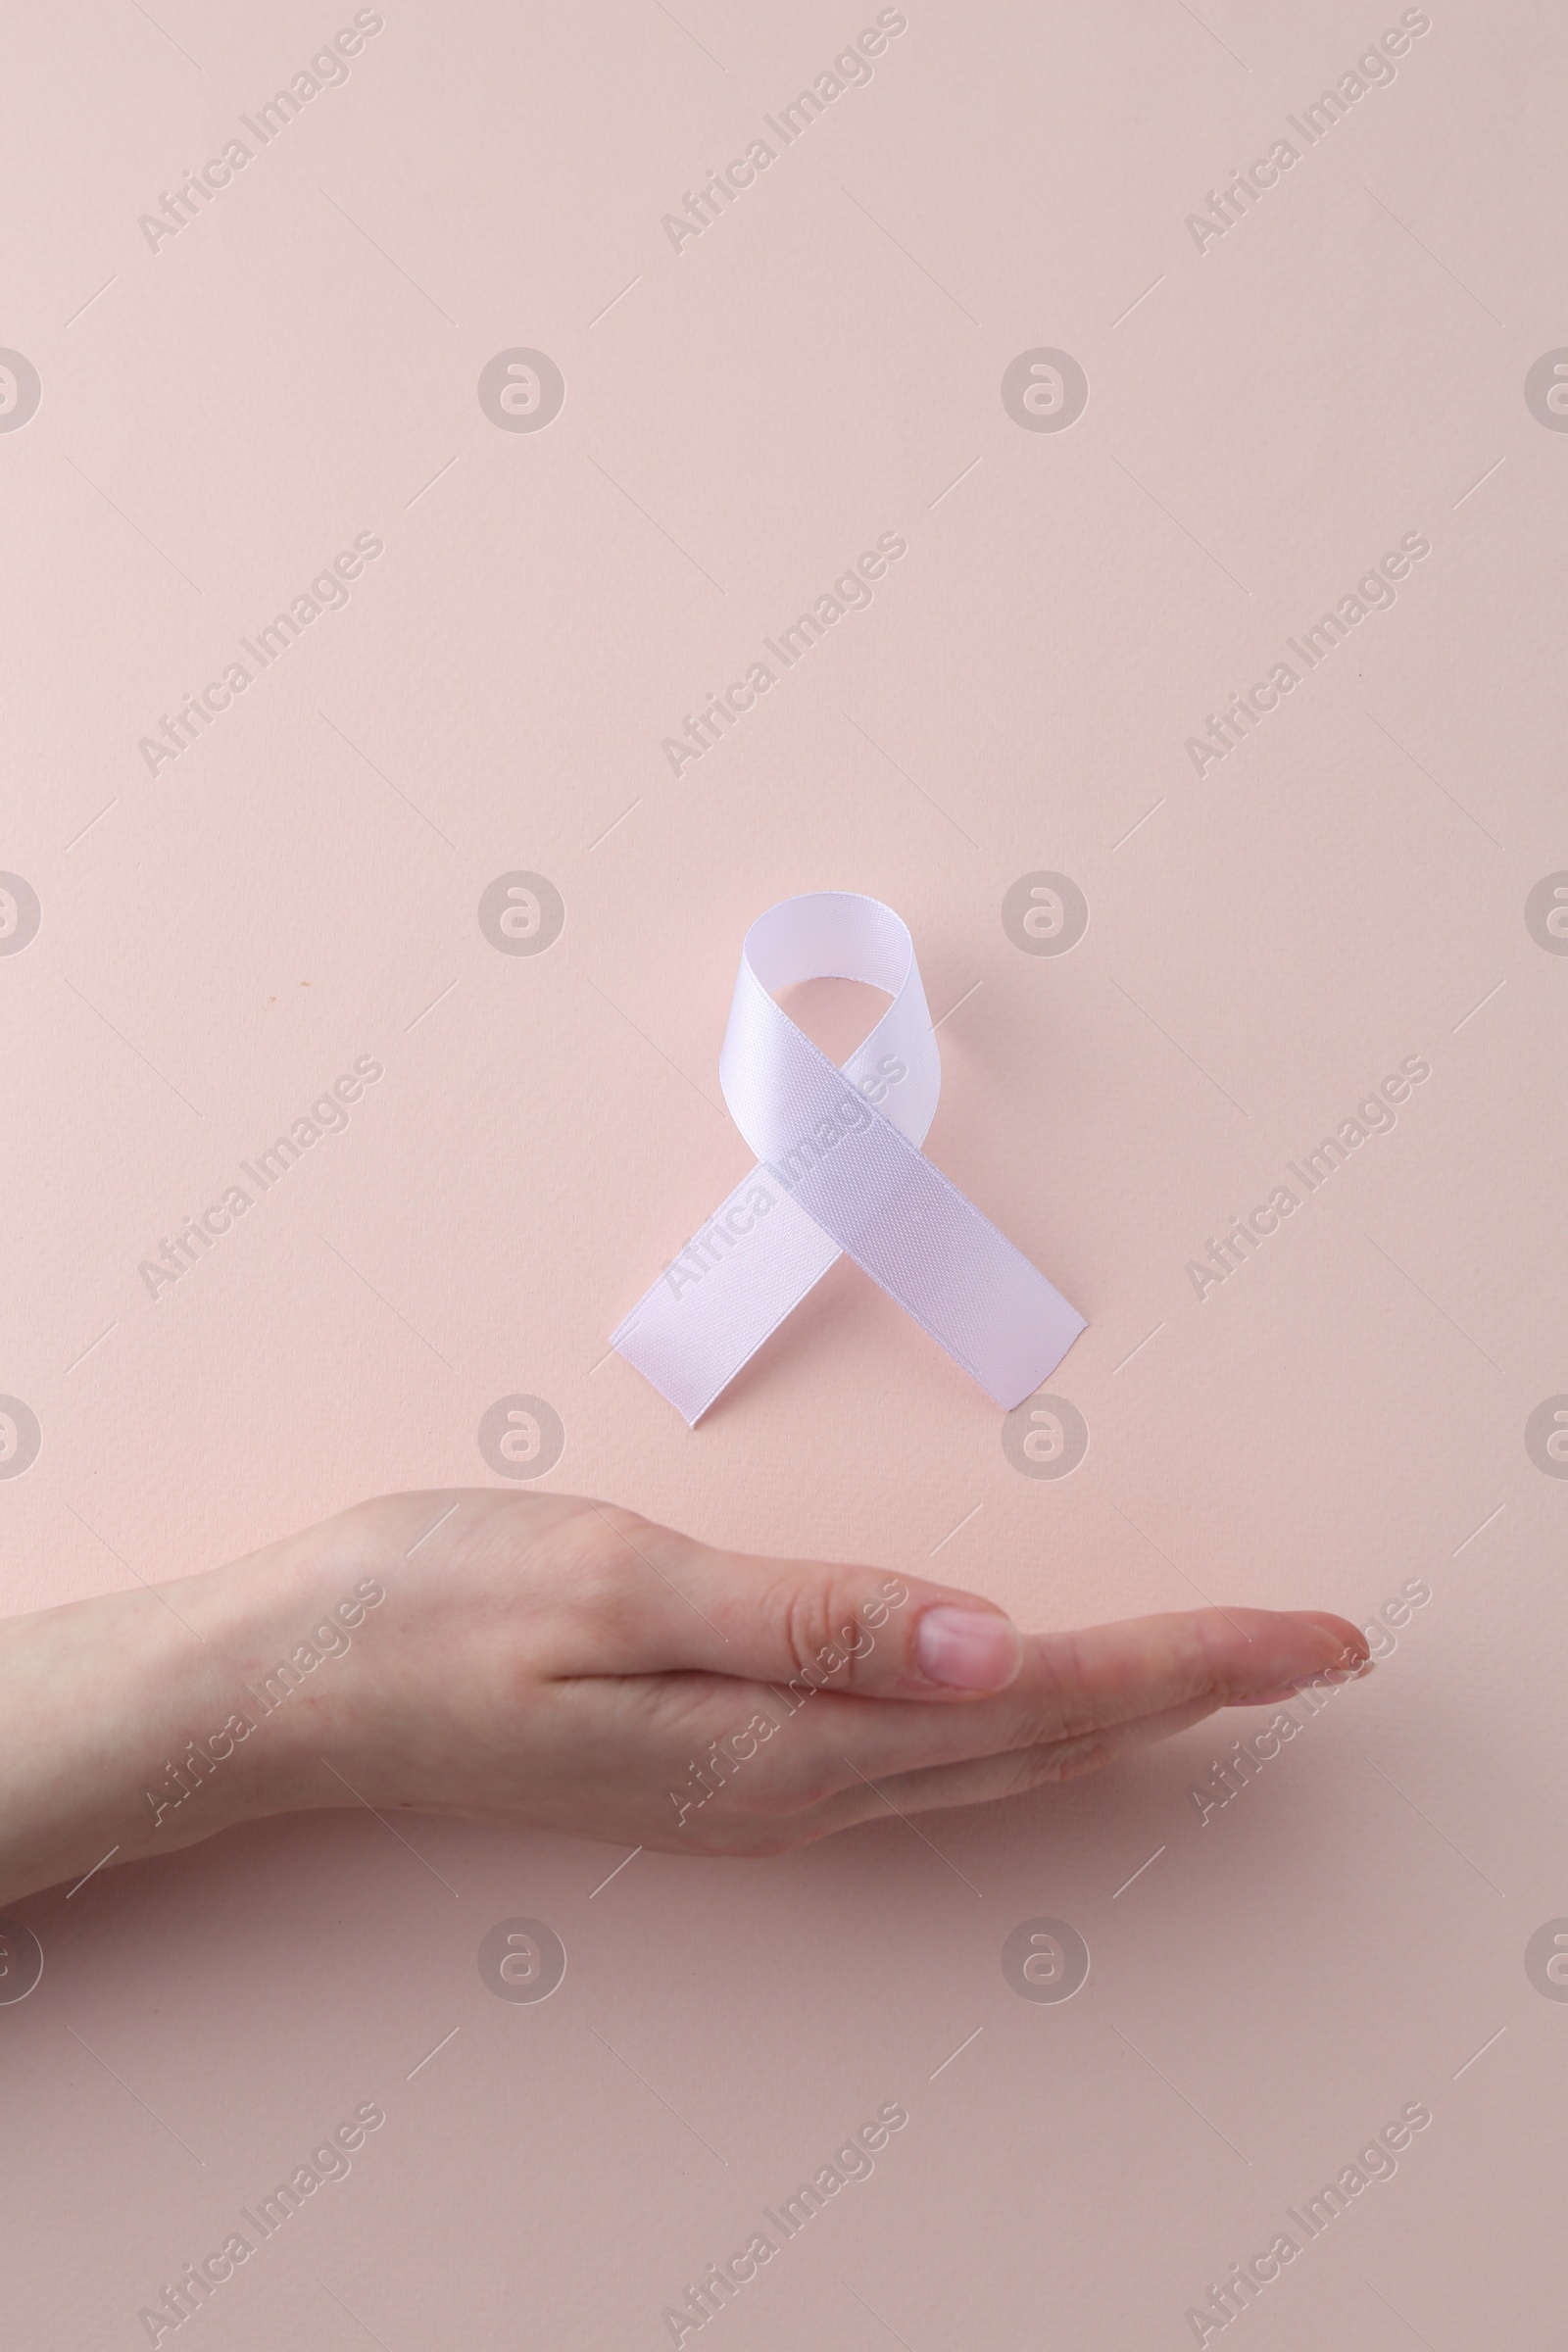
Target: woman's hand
(565, 1664)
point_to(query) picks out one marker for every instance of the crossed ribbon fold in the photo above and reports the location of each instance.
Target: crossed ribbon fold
(840, 1170)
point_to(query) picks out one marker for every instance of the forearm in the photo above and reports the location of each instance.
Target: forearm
(138, 1722)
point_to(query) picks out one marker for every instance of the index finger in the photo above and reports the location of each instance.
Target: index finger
(1095, 1676)
(1074, 1686)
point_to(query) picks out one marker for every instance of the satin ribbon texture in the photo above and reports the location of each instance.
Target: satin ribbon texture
(840, 1170)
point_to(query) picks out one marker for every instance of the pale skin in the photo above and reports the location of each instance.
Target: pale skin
(565, 1665)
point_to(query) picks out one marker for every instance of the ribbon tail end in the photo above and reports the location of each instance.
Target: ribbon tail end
(1067, 1326)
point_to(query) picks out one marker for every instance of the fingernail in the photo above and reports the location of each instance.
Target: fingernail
(1308, 1682)
(968, 1649)
(1337, 1670)
(1347, 1652)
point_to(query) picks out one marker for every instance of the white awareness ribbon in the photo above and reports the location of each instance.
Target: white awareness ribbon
(840, 1170)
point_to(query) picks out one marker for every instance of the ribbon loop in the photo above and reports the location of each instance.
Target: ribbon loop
(840, 1170)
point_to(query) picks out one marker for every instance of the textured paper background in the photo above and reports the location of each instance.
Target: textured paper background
(1270, 409)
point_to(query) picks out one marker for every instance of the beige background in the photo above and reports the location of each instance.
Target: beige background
(1267, 415)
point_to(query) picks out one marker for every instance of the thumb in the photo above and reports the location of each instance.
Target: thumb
(829, 1625)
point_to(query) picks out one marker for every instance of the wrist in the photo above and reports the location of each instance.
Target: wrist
(285, 1633)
